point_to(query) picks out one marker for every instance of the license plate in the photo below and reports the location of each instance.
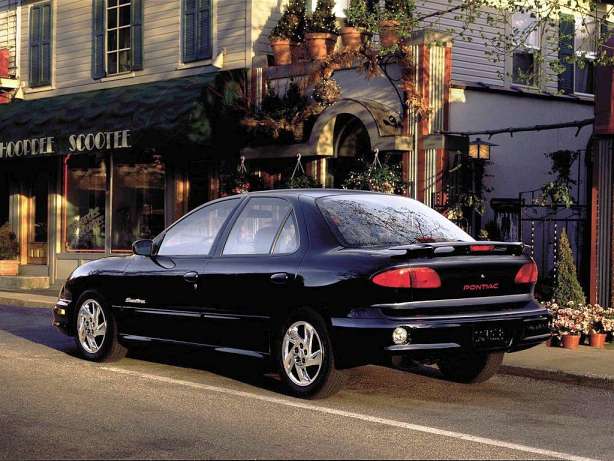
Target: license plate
(489, 336)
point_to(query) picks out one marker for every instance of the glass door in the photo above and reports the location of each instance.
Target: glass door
(37, 217)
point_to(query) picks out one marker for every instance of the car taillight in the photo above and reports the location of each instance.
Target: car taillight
(408, 277)
(527, 273)
(481, 248)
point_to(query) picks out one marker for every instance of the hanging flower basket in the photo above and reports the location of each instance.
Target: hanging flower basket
(299, 179)
(377, 177)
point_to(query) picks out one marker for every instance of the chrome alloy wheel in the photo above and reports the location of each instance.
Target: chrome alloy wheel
(302, 353)
(91, 326)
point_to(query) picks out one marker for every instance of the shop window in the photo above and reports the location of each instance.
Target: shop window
(138, 199)
(195, 234)
(255, 230)
(527, 46)
(40, 45)
(5, 197)
(196, 30)
(85, 194)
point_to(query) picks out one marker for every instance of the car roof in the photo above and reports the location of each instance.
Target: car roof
(316, 193)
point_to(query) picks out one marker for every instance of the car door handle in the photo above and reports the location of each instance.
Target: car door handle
(280, 278)
(191, 277)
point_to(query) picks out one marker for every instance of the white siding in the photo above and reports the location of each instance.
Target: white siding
(265, 14)
(72, 46)
(8, 31)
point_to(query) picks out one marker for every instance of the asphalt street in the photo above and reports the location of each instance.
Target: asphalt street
(177, 403)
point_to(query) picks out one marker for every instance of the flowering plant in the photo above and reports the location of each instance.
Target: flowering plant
(575, 318)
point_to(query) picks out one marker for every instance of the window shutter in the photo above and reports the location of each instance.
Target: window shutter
(137, 34)
(35, 45)
(566, 51)
(45, 44)
(204, 29)
(98, 39)
(190, 14)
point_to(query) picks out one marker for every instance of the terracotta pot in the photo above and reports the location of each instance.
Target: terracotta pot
(597, 340)
(299, 52)
(389, 33)
(571, 341)
(9, 267)
(320, 45)
(281, 52)
(351, 37)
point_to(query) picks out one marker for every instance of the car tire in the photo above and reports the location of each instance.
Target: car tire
(300, 379)
(471, 368)
(90, 312)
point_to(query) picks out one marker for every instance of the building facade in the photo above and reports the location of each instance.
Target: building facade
(97, 146)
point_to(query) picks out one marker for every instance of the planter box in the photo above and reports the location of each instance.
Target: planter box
(9, 267)
(5, 59)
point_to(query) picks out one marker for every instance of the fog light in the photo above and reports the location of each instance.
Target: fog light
(400, 336)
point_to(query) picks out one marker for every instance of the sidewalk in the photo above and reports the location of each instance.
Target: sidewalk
(31, 298)
(586, 366)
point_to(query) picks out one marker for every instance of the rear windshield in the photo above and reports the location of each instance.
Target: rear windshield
(387, 220)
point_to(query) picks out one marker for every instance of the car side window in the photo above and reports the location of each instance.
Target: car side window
(288, 240)
(194, 235)
(257, 226)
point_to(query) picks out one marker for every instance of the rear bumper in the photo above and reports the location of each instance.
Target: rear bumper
(368, 333)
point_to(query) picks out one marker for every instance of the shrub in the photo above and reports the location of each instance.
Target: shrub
(566, 287)
(291, 25)
(323, 19)
(358, 15)
(9, 248)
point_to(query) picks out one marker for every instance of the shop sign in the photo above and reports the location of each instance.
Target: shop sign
(75, 143)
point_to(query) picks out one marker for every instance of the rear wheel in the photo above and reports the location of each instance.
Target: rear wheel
(96, 330)
(306, 360)
(472, 367)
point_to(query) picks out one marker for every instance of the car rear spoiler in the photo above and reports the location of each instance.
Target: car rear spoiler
(438, 249)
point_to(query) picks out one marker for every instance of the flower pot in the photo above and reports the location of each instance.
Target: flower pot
(389, 33)
(298, 52)
(597, 340)
(281, 52)
(320, 45)
(571, 341)
(9, 267)
(351, 37)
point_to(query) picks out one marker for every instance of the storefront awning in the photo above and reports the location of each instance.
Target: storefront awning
(154, 113)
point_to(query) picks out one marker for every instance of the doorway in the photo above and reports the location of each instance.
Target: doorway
(36, 195)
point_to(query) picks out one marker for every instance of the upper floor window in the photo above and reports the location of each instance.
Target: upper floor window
(119, 44)
(526, 48)
(578, 39)
(40, 45)
(196, 30)
(118, 37)
(585, 49)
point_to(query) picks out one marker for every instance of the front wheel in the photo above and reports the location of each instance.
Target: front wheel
(96, 330)
(306, 360)
(472, 367)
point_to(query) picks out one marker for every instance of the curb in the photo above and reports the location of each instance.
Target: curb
(12, 302)
(599, 382)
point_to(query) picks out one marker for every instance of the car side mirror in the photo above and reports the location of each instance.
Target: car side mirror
(143, 247)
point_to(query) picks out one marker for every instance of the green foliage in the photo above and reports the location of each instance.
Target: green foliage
(558, 192)
(302, 181)
(566, 287)
(358, 15)
(291, 25)
(9, 248)
(400, 10)
(323, 19)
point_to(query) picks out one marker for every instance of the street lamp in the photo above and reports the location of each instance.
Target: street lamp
(480, 149)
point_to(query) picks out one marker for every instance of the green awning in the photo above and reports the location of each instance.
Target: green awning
(158, 112)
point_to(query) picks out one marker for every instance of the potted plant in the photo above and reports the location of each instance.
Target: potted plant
(598, 332)
(296, 22)
(9, 251)
(321, 30)
(396, 15)
(358, 23)
(281, 35)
